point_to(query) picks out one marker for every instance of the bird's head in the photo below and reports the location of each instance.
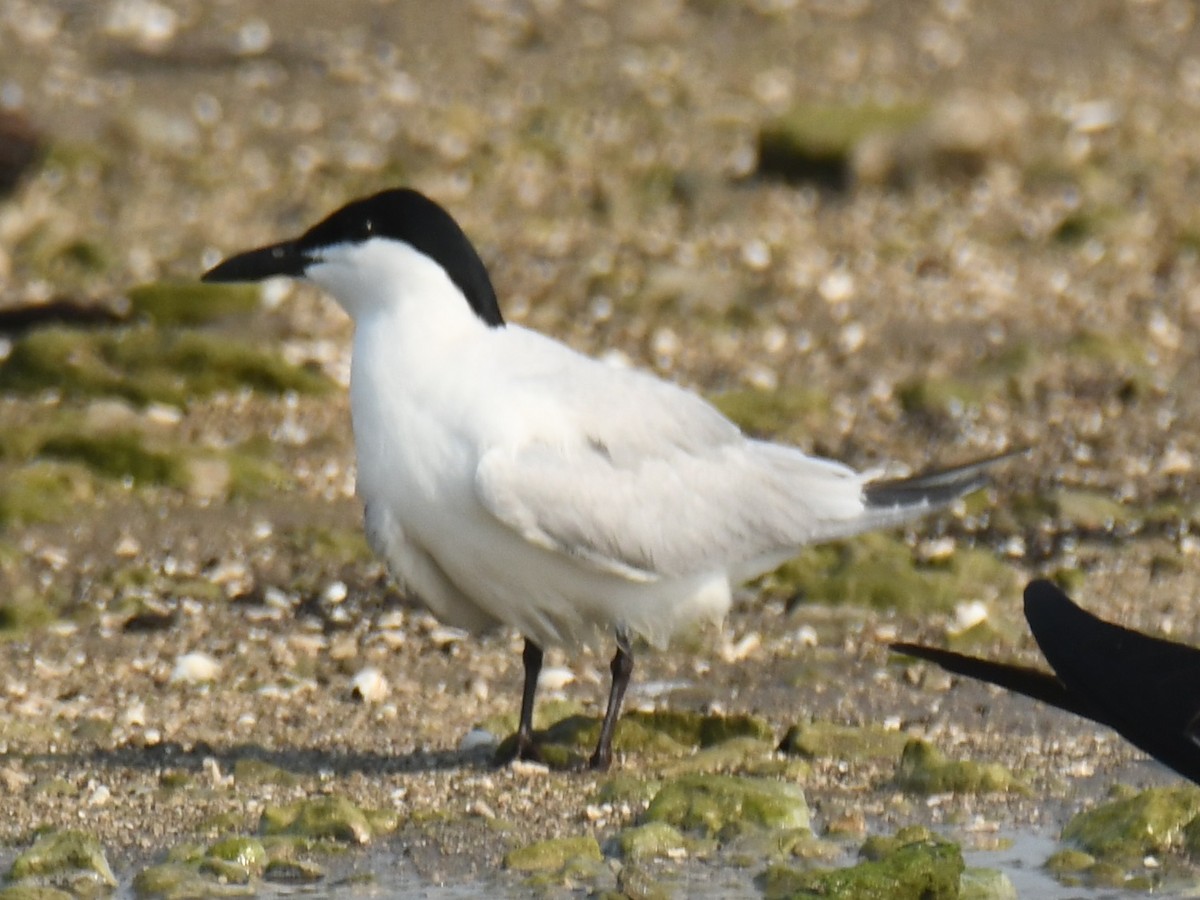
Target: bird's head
(370, 251)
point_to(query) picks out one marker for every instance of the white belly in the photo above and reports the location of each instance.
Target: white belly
(417, 459)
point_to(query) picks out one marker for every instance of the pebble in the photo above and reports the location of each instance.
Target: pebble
(195, 667)
(935, 549)
(127, 547)
(851, 337)
(836, 287)
(14, 780)
(481, 809)
(736, 651)
(1092, 116)
(968, 615)
(756, 255)
(369, 685)
(343, 648)
(553, 678)
(309, 644)
(54, 557)
(1175, 461)
(443, 636)
(134, 715)
(162, 414)
(805, 636)
(477, 739)
(151, 24)
(527, 767)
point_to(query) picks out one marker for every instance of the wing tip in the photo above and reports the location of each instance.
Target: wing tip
(937, 487)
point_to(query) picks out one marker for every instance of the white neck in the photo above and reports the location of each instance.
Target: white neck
(389, 279)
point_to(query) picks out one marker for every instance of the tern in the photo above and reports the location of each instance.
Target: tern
(1143, 687)
(507, 479)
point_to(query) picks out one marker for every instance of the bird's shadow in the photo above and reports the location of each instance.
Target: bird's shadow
(299, 761)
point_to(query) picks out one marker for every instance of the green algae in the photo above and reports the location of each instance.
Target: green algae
(253, 475)
(44, 491)
(750, 848)
(653, 840)
(986, 884)
(341, 546)
(1071, 867)
(1074, 868)
(178, 881)
(1108, 349)
(635, 883)
(68, 857)
(790, 410)
(1069, 861)
(251, 771)
(816, 142)
(334, 818)
(53, 455)
(117, 455)
(70, 263)
(826, 740)
(226, 872)
(191, 303)
(712, 804)
(746, 755)
(293, 871)
(921, 870)
(224, 822)
(239, 852)
(25, 607)
(383, 821)
(665, 734)
(881, 846)
(633, 734)
(624, 788)
(143, 364)
(553, 855)
(1149, 822)
(34, 892)
(924, 770)
(881, 571)
(189, 852)
(1089, 509)
(933, 396)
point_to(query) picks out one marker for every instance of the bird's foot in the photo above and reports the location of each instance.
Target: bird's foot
(522, 746)
(600, 761)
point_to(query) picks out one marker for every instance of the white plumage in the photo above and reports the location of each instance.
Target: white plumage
(509, 479)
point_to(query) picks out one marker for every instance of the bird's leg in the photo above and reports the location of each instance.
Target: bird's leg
(622, 668)
(531, 656)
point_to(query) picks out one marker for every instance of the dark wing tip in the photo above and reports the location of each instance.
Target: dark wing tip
(938, 487)
(1053, 616)
(1033, 683)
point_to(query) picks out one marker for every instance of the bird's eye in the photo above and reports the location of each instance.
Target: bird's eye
(368, 228)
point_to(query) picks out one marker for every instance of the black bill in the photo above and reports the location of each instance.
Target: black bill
(266, 262)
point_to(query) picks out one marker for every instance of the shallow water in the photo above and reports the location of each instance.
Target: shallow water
(386, 871)
(1022, 863)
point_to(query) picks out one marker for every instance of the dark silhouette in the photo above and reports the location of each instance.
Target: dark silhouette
(1146, 688)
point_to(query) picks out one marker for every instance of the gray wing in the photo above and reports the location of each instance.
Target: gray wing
(627, 504)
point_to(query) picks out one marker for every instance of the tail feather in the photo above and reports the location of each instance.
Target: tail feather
(931, 489)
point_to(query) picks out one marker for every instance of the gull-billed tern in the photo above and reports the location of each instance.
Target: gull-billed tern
(507, 479)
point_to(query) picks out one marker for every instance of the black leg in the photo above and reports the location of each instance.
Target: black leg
(622, 668)
(531, 656)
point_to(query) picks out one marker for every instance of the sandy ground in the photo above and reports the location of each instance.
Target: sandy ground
(1019, 269)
